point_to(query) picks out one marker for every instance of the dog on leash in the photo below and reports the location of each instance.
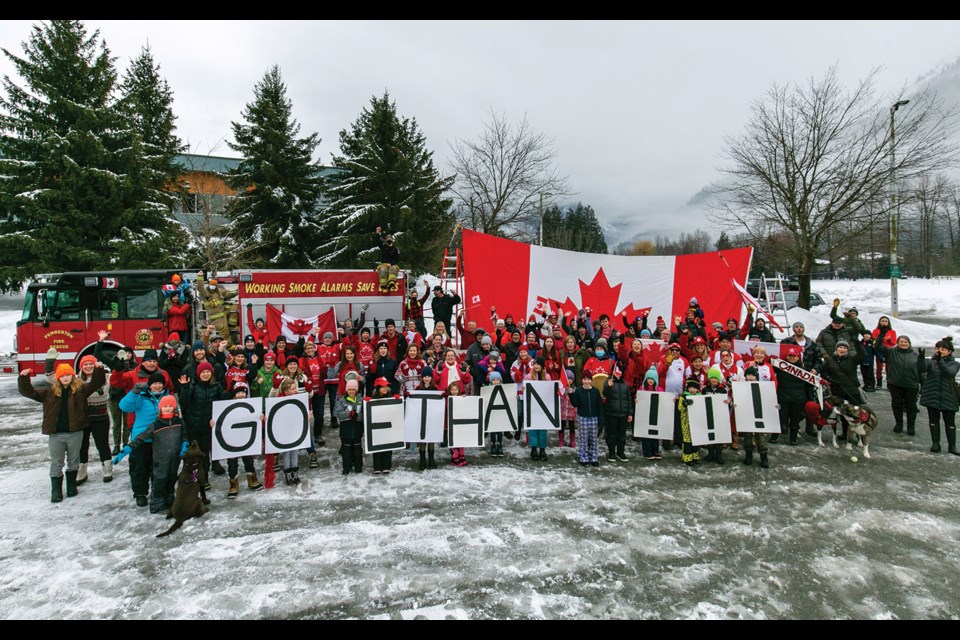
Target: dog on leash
(861, 421)
(190, 499)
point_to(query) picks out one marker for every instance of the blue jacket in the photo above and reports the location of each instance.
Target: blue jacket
(145, 406)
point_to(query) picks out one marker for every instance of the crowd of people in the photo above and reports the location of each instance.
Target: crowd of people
(163, 402)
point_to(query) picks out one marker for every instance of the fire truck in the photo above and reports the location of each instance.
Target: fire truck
(67, 311)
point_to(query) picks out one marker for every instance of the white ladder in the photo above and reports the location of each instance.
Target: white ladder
(772, 298)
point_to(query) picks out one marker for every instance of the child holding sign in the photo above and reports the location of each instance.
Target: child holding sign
(425, 448)
(242, 390)
(750, 440)
(290, 460)
(689, 455)
(457, 455)
(349, 412)
(538, 437)
(382, 460)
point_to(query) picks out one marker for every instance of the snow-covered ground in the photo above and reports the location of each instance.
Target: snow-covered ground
(814, 536)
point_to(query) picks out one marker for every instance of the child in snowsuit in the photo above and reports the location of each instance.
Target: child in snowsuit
(568, 414)
(169, 436)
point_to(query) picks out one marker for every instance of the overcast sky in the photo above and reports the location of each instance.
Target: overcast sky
(638, 109)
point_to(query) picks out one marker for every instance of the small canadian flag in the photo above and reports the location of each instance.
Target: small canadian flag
(475, 300)
(108, 283)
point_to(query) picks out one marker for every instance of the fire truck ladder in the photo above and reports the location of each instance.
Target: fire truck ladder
(451, 277)
(772, 298)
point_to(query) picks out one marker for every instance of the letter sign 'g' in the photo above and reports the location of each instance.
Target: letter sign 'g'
(236, 428)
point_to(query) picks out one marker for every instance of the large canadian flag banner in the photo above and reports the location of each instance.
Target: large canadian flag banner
(519, 278)
(294, 328)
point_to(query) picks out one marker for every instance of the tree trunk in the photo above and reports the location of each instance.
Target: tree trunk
(806, 268)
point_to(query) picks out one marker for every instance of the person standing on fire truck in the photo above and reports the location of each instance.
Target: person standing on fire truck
(215, 304)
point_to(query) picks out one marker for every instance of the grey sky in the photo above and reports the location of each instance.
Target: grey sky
(638, 109)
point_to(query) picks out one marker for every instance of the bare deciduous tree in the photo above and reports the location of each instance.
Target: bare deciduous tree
(502, 175)
(815, 161)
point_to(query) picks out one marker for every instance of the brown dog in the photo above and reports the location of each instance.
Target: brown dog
(190, 498)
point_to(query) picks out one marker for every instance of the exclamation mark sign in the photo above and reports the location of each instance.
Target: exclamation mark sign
(654, 413)
(757, 405)
(711, 433)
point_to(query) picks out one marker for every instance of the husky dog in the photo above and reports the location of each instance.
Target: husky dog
(861, 421)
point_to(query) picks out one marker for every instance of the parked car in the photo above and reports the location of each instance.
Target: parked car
(791, 299)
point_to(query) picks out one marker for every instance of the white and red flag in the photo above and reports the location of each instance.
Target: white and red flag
(518, 277)
(293, 328)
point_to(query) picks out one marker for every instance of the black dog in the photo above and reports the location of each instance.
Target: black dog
(190, 498)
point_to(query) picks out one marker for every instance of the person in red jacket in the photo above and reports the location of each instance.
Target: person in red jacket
(366, 349)
(635, 365)
(258, 328)
(314, 368)
(177, 316)
(413, 309)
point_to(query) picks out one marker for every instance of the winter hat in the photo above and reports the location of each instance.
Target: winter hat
(328, 334)
(714, 372)
(842, 343)
(248, 338)
(792, 350)
(523, 349)
(381, 382)
(853, 310)
(157, 376)
(532, 318)
(199, 346)
(389, 323)
(352, 384)
(486, 340)
(699, 340)
(602, 342)
(215, 336)
(494, 355)
(660, 320)
(65, 370)
(365, 330)
(175, 279)
(540, 361)
(717, 325)
(652, 374)
(673, 345)
(798, 324)
(570, 374)
(149, 354)
(204, 366)
(240, 386)
(909, 342)
(751, 371)
(753, 334)
(693, 301)
(173, 338)
(494, 375)
(479, 331)
(691, 382)
(169, 403)
(269, 355)
(85, 359)
(383, 343)
(437, 288)
(645, 333)
(426, 372)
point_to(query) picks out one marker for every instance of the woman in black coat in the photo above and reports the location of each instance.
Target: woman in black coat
(383, 366)
(938, 394)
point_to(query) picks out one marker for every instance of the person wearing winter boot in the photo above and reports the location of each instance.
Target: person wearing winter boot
(64, 417)
(840, 369)
(196, 398)
(538, 437)
(388, 269)
(884, 338)
(904, 368)
(98, 420)
(168, 436)
(382, 460)
(715, 386)
(240, 391)
(349, 412)
(568, 415)
(426, 449)
(749, 441)
(618, 414)
(938, 394)
(144, 404)
(496, 439)
(690, 454)
(792, 394)
(290, 460)
(651, 446)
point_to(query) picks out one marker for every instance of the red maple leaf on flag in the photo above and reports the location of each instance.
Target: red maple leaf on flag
(299, 327)
(633, 313)
(599, 296)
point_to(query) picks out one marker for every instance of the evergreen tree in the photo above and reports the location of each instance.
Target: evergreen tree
(277, 183)
(63, 181)
(385, 177)
(149, 228)
(574, 229)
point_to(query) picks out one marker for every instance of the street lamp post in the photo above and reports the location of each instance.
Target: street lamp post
(894, 215)
(541, 216)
